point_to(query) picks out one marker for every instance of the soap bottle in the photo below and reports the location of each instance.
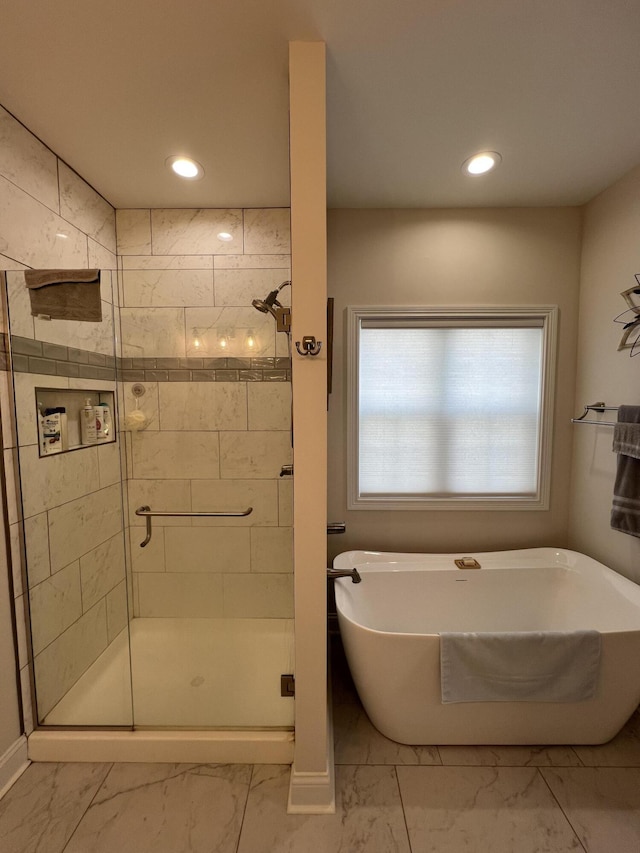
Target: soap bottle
(88, 430)
(51, 431)
(104, 430)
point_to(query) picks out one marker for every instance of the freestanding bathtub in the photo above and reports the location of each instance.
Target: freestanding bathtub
(391, 621)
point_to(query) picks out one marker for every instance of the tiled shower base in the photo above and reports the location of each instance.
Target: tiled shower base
(187, 675)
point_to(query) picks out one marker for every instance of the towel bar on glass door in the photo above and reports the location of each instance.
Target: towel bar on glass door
(148, 513)
(595, 407)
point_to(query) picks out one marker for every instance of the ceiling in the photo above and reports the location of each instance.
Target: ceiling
(414, 87)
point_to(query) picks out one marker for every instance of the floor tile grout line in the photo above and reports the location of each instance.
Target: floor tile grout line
(566, 817)
(404, 814)
(84, 813)
(244, 810)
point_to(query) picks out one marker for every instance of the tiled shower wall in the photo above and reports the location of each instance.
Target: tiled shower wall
(50, 218)
(217, 397)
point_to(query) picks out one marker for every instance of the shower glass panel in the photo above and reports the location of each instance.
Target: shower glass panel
(73, 519)
(206, 399)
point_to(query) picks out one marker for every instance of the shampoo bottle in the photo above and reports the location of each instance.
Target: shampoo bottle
(103, 422)
(88, 430)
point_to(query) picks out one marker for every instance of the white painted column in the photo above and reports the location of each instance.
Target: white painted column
(312, 788)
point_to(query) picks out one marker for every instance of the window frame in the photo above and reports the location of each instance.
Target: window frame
(547, 315)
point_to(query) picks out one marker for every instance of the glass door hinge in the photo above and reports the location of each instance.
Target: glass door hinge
(287, 685)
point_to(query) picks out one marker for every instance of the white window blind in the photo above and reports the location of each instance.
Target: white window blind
(449, 410)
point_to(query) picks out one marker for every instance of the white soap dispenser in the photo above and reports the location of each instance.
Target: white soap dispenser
(88, 430)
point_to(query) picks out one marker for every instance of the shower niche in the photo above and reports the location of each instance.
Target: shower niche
(73, 419)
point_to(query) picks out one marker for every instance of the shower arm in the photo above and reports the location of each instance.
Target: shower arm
(147, 513)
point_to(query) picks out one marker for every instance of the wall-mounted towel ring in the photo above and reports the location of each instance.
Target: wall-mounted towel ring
(309, 346)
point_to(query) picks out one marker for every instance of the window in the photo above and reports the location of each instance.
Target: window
(450, 408)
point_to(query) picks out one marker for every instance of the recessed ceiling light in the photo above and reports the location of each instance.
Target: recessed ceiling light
(187, 168)
(481, 163)
(224, 236)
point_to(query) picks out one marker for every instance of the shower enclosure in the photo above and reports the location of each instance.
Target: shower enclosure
(192, 627)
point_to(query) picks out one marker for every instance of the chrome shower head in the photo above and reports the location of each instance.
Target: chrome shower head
(270, 302)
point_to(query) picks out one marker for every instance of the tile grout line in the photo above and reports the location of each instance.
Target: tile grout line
(566, 817)
(244, 810)
(84, 814)
(404, 814)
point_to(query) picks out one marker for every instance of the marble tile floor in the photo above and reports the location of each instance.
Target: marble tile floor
(389, 797)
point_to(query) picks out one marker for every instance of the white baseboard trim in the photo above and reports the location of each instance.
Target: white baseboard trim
(13, 764)
(315, 793)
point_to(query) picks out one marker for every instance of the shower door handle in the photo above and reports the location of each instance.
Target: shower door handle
(147, 513)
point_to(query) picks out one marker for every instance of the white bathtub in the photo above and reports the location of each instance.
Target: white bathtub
(390, 625)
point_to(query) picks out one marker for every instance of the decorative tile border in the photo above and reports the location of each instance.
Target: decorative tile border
(33, 356)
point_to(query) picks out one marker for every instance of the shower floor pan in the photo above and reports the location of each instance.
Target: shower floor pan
(187, 674)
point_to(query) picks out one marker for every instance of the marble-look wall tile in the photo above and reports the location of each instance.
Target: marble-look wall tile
(29, 233)
(17, 559)
(167, 288)
(245, 262)
(61, 664)
(100, 257)
(234, 495)
(285, 503)
(207, 549)
(271, 549)
(41, 811)
(80, 525)
(14, 506)
(117, 611)
(202, 405)
(53, 480)
(101, 570)
(7, 412)
(55, 604)
(22, 644)
(239, 287)
(456, 809)
(368, 815)
(269, 405)
(224, 332)
(188, 595)
(267, 231)
(160, 495)
(175, 455)
(150, 558)
(133, 228)
(26, 162)
(255, 596)
(195, 231)
(9, 264)
(175, 807)
(81, 205)
(20, 319)
(254, 454)
(153, 332)
(168, 262)
(109, 469)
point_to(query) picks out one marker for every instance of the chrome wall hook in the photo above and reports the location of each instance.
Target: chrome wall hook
(309, 346)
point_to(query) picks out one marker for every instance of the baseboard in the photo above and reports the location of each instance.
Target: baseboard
(13, 764)
(315, 793)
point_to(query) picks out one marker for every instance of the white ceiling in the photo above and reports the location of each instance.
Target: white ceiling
(413, 88)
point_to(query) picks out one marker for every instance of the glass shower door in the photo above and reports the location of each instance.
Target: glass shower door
(71, 495)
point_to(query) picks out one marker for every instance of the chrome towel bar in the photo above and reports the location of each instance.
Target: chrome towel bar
(147, 513)
(595, 407)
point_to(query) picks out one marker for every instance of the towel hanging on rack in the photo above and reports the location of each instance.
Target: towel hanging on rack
(65, 294)
(625, 512)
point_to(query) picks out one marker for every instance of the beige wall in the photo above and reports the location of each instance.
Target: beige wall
(610, 258)
(454, 257)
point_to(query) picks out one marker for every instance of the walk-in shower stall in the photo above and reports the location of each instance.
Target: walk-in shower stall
(158, 551)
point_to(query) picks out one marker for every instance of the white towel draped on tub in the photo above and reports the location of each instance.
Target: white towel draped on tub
(536, 666)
